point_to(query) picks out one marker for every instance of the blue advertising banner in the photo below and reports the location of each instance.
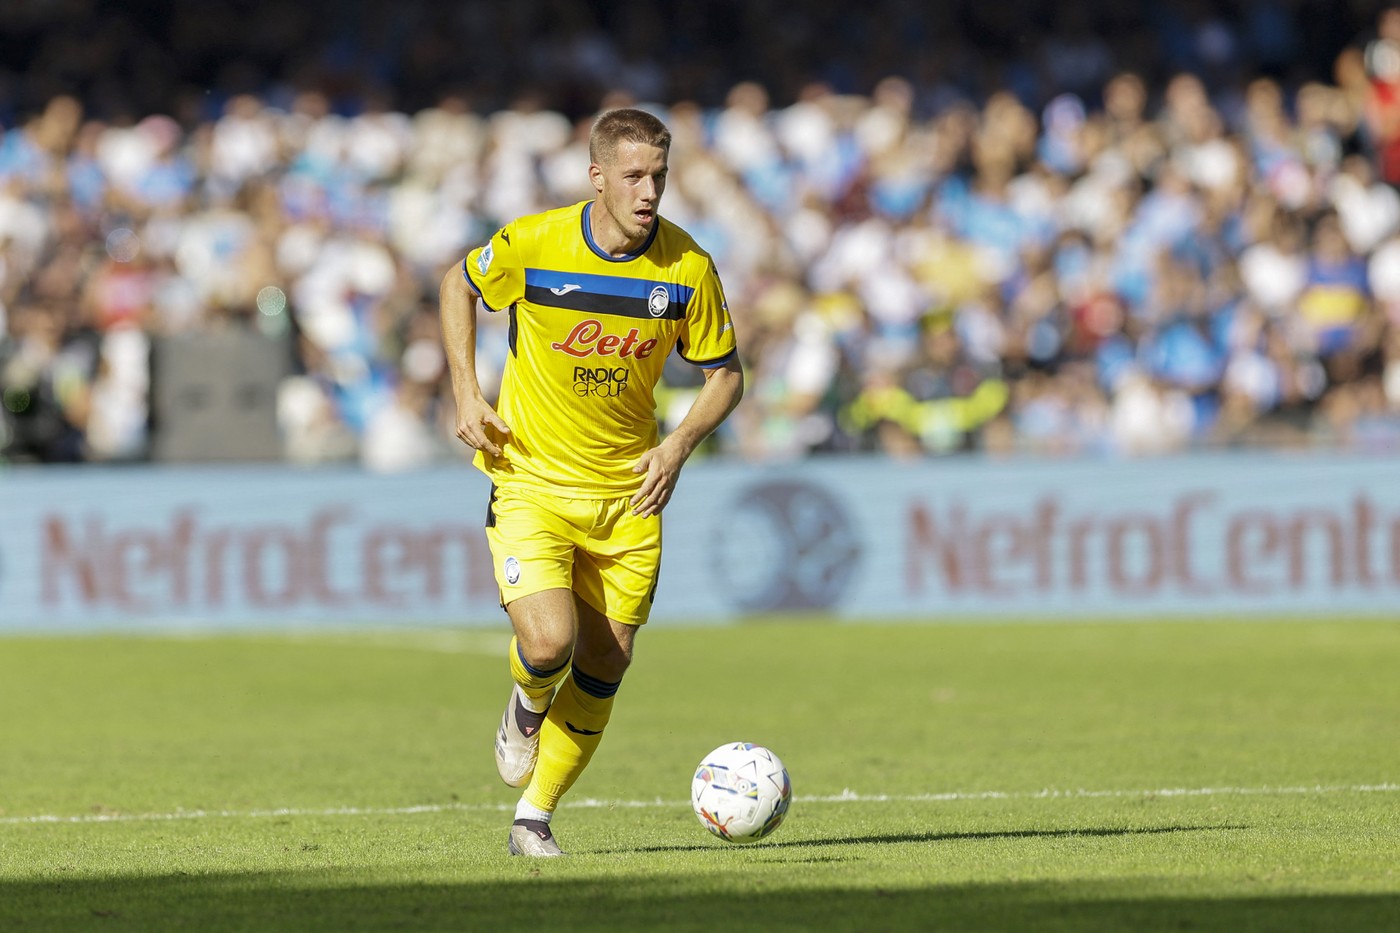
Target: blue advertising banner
(859, 539)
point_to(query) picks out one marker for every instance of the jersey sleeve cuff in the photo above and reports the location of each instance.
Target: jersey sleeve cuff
(709, 364)
(472, 284)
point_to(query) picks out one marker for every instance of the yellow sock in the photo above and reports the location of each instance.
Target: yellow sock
(569, 736)
(536, 684)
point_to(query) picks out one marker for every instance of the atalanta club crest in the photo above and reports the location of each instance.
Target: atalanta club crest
(659, 301)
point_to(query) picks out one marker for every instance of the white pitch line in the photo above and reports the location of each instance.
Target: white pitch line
(1160, 792)
(586, 803)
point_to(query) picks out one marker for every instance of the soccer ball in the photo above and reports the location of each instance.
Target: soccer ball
(741, 792)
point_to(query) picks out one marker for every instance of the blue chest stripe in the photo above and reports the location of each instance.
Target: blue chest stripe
(615, 286)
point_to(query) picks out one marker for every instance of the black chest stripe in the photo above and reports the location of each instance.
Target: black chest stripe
(589, 303)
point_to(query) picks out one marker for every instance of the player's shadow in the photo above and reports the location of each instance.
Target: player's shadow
(946, 837)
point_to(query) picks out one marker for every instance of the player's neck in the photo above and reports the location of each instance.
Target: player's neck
(608, 236)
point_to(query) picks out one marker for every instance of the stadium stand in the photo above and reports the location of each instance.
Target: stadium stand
(1016, 227)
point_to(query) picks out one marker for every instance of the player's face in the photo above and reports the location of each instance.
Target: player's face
(629, 190)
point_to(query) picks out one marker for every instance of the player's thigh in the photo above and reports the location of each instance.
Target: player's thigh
(616, 573)
(604, 647)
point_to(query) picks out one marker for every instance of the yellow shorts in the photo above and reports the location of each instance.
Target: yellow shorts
(609, 557)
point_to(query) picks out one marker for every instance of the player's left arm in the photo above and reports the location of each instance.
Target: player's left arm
(724, 386)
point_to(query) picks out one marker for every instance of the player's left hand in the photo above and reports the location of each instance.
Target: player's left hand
(662, 465)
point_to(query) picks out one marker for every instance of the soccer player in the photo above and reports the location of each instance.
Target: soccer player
(598, 294)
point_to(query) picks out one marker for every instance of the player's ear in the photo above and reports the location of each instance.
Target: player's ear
(595, 175)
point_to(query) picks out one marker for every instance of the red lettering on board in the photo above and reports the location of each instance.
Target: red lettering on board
(328, 560)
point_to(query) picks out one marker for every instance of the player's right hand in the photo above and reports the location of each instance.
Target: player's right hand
(475, 421)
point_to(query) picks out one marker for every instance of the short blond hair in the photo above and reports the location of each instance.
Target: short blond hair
(625, 124)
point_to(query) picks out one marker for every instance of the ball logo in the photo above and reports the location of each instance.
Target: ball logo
(512, 568)
(799, 549)
(658, 301)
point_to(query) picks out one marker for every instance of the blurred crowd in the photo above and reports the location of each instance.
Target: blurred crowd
(1121, 233)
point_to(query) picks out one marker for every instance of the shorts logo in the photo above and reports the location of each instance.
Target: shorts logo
(658, 301)
(483, 262)
(512, 568)
(600, 382)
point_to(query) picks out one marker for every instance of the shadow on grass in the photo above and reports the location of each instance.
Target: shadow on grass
(545, 897)
(949, 837)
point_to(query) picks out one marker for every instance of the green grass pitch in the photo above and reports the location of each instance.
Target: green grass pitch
(1180, 775)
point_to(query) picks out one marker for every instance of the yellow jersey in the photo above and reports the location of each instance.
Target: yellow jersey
(589, 334)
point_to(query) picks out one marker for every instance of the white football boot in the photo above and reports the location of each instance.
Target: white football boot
(532, 838)
(518, 741)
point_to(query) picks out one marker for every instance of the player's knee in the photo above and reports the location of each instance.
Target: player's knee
(606, 662)
(547, 650)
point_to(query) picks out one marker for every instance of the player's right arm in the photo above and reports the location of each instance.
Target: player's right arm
(457, 310)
